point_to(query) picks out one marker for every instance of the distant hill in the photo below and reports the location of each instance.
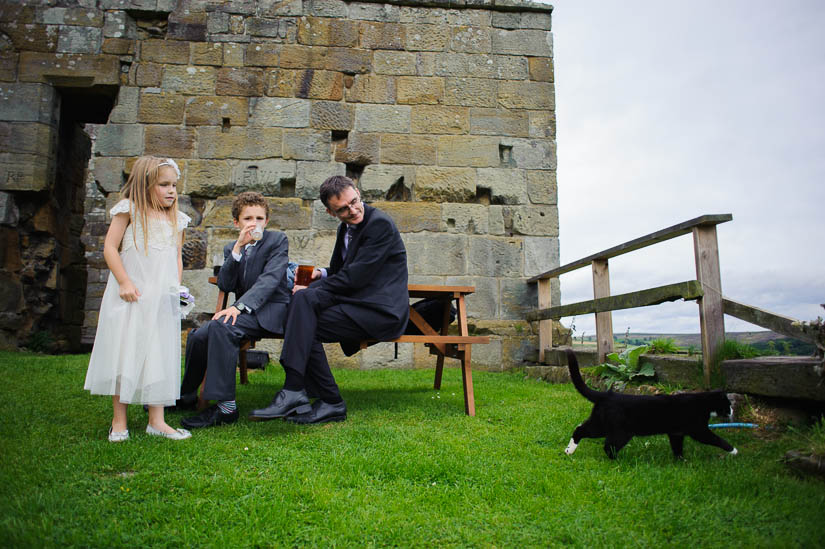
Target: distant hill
(765, 341)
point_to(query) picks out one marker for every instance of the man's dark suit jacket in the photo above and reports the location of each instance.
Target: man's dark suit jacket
(259, 279)
(371, 283)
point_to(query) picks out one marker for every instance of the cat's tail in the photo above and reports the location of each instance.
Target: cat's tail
(578, 382)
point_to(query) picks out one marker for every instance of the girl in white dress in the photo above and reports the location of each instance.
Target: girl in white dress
(136, 354)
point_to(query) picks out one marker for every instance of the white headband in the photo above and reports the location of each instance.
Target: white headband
(170, 162)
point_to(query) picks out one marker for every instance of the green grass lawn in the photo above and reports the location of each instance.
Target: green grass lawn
(407, 468)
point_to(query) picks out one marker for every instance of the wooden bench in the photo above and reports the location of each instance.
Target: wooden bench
(440, 343)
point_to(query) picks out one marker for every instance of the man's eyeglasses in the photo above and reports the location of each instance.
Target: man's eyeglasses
(351, 206)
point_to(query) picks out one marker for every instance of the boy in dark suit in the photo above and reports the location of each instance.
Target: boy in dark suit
(361, 295)
(254, 269)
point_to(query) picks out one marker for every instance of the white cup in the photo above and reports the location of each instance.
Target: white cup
(258, 232)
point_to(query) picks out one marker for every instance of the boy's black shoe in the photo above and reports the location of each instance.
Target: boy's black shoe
(210, 417)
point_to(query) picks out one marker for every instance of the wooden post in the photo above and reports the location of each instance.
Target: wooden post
(545, 326)
(604, 321)
(711, 315)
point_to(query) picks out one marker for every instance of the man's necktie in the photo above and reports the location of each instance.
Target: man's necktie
(347, 240)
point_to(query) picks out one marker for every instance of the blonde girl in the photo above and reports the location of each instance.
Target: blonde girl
(136, 353)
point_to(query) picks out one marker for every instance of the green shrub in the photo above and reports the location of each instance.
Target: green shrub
(624, 367)
(663, 346)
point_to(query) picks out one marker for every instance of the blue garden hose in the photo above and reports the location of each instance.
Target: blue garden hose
(733, 425)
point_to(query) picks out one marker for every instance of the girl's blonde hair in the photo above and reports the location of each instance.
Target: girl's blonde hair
(139, 189)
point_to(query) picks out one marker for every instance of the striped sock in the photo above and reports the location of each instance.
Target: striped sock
(227, 406)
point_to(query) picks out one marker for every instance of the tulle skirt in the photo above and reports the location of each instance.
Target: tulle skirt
(136, 352)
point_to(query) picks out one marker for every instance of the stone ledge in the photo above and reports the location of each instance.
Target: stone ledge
(791, 377)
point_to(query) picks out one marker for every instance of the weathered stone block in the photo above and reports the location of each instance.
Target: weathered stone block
(436, 254)
(427, 37)
(527, 95)
(374, 12)
(531, 154)
(378, 179)
(161, 108)
(359, 148)
(206, 53)
(194, 249)
(412, 217)
(271, 177)
(541, 187)
(29, 137)
(282, 112)
(25, 172)
(32, 38)
(382, 118)
(9, 216)
(445, 184)
(787, 377)
(424, 15)
(274, 8)
(394, 62)
(119, 140)
(542, 124)
(118, 46)
(318, 31)
(196, 80)
(535, 43)
(312, 174)
(146, 75)
(330, 115)
(540, 254)
(413, 90)
(407, 149)
(349, 60)
(368, 88)
(207, 178)
(218, 213)
(394, 356)
(240, 81)
(506, 20)
(79, 40)
(295, 56)
(507, 186)
(484, 302)
(311, 247)
(470, 39)
(108, 173)
(493, 256)
(499, 122)
(315, 84)
(516, 298)
(675, 370)
(240, 142)
(536, 220)
(78, 69)
(278, 30)
(470, 92)
(263, 55)
(289, 213)
(464, 218)
(170, 141)
(8, 66)
(233, 55)
(118, 24)
(307, 145)
(217, 22)
(382, 36)
(170, 52)
(214, 111)
(541, 69)
(457, 150)
(282, 82)
(126, 108)
(440, 120)
(534, 20)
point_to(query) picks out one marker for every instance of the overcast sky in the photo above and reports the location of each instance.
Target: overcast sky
(670, 110)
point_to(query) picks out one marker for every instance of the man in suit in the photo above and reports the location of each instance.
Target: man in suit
(254, 269)
(361, 295)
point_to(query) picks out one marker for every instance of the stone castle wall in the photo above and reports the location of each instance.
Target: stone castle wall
(442, 111)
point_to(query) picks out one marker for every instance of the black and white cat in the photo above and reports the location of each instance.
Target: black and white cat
(618, 417)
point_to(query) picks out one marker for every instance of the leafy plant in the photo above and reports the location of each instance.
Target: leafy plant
(40, 342)
(812, 439)
(623, 367)
(663, 346)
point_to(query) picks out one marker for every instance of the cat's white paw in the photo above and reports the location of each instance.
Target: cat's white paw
(733, 452)
(571, 447)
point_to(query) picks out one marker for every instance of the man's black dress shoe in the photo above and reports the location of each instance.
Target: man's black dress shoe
(210, 417)
(284, 403)
(185, 402)
(321, 412)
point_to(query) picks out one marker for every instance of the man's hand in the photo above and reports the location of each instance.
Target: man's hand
(226, 314)
(297, 288)
(128, 292)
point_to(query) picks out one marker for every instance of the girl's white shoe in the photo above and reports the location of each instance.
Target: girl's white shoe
(118, 436)
(179, 434)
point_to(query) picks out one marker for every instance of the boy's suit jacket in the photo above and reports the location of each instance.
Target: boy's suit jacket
(371, 283)
(259, 280)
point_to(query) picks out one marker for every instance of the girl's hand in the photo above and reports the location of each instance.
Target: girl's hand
(128, 292)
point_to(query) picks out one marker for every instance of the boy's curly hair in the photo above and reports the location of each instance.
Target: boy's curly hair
(248, 198)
